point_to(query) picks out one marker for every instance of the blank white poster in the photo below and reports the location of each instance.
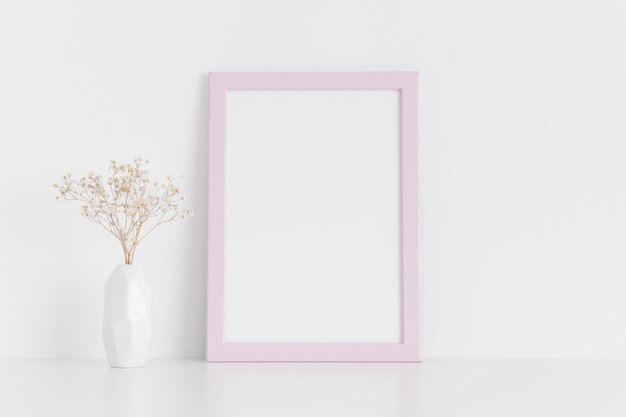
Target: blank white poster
(312, 217)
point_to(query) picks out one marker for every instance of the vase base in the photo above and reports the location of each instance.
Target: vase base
(126, 366)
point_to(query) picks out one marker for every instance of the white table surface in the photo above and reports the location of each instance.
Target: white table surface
(188, 387)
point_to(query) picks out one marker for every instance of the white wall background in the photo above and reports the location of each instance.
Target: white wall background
(523, 180)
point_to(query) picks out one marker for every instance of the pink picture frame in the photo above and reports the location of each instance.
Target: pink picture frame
(405, 351)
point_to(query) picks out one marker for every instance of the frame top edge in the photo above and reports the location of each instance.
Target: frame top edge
(313, 80)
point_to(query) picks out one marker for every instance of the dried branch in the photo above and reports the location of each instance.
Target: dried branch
(126, 203)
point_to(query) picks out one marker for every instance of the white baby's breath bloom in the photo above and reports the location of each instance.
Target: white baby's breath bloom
(127, 204)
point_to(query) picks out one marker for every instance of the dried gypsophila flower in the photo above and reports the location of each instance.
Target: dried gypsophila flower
(127, 203)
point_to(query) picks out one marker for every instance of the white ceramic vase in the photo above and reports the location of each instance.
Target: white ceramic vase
(126, 328)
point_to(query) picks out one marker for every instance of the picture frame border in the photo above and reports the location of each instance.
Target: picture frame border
(408, 348)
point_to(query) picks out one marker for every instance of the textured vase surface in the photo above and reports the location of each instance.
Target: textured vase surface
(126, 328)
